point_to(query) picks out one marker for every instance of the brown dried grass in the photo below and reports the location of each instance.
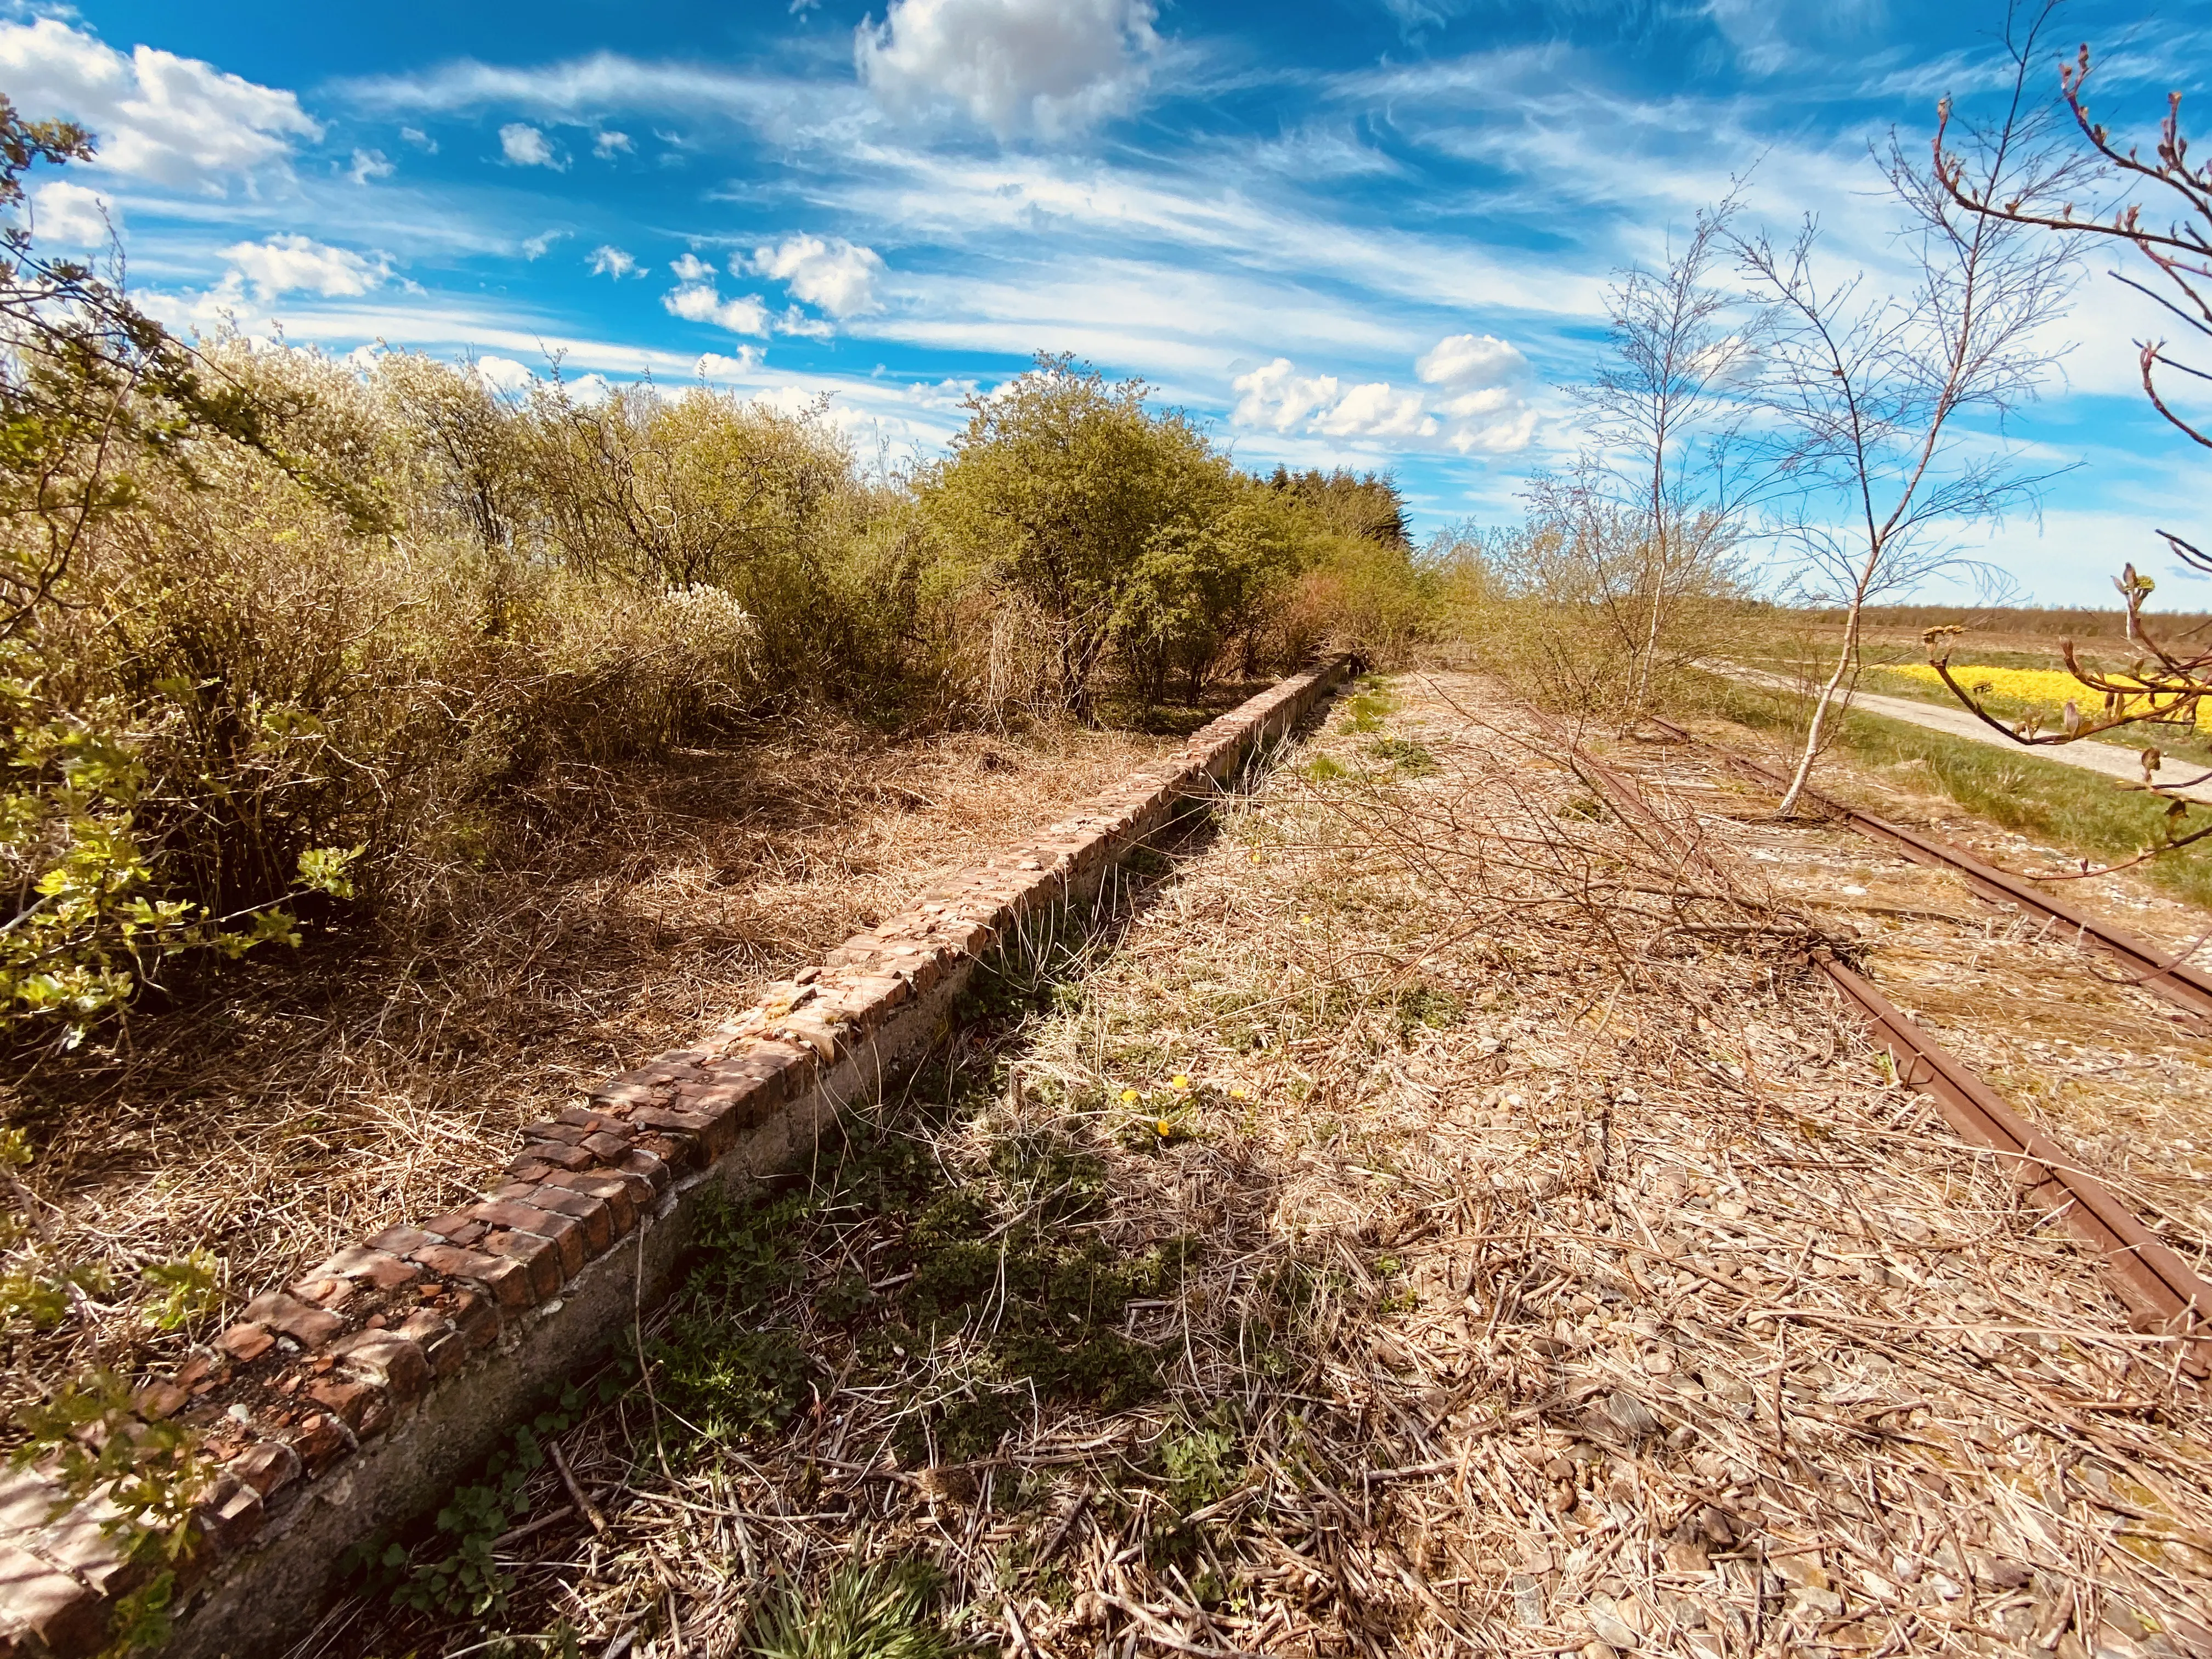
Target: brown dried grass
(317, 1100)
(1624, 1303)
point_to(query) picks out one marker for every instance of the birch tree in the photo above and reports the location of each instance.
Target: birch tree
(1889, 404)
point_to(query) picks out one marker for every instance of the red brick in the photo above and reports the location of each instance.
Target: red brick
(401, 1241)
(671, 1118)
(380, 1268)
(57, 1612)
(505, 1278)
(476, 1320)
(246, 1343)
(559, 1154)
(310, 1327)
(547, 1129)
(323, 1292)
(231, 1518)
(267, 1466)
(320, 1440)
(390, 1359)
(348, 1402)
(456, 1227)
(647, 1166)
(584, 1118)
(605, 1146)
(621, 1193)
(591, 1214)
(539, 1257)
(676, 1148)
(531, 1169)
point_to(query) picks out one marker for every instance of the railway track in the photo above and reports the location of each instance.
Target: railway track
(2163, 1295)
(2186, 986)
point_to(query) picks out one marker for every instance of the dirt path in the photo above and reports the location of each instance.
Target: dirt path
(2110, 759)
(1422, 1218)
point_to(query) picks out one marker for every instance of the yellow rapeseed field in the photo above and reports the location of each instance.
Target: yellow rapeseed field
(2013, 691)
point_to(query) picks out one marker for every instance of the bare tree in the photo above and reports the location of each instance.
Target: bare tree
(1873, 392)
(1669, 404)
(2166, 683)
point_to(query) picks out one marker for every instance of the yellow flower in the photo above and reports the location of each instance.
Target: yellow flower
(1165, 1129)
(1240, 1094)
(2045, 691)
(1128, 1096)
(1179, 1081)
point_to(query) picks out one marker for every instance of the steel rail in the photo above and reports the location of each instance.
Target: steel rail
(2187, 987)
(2162, 1294)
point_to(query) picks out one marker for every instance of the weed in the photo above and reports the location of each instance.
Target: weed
(1323, 770)
(1409, 758)
(878, 1610)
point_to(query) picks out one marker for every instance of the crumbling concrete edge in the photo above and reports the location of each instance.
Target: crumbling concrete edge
(347, 1405)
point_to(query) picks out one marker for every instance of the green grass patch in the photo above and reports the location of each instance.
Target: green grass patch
(2082, 814)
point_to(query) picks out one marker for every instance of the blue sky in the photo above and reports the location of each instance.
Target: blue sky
(1373, 232)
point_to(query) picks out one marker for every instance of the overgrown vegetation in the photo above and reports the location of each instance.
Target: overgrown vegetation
(283, 636)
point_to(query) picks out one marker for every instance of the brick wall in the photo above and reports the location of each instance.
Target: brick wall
(351, 1401)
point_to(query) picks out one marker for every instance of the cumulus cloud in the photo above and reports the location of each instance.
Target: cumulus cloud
(524, 146)
(610, 144)
(1015, 66)
(63, 212)
(175, 121)
(503, 374)
(1476, 403)
(368, 164)
(609, 261)
(296, 264)
(696, 299)
(838, 276)
(714, 365)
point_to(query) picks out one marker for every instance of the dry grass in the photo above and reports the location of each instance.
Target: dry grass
(2110, 1070)
(317, 1101)
(1554, 1269)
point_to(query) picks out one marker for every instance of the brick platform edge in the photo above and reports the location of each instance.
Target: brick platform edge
(351, 1402)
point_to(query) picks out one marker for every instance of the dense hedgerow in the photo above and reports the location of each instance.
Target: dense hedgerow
(283, 634)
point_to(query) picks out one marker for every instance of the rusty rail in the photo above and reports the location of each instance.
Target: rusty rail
(2162, 1293)
(2187, 987)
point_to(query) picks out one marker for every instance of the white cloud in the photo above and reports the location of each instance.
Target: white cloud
(1477, 406)
(1277, 396)
(503, 373)
(696, 300)
(524, 146)
(609, 143)
(838, 276)
(535, 247)
(713, 366)
(1015, 66)
(369, 164)
(63, 212)
(176, 121)
(609, 261)
(288, 263)
(1471, 360)
(421, 140)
